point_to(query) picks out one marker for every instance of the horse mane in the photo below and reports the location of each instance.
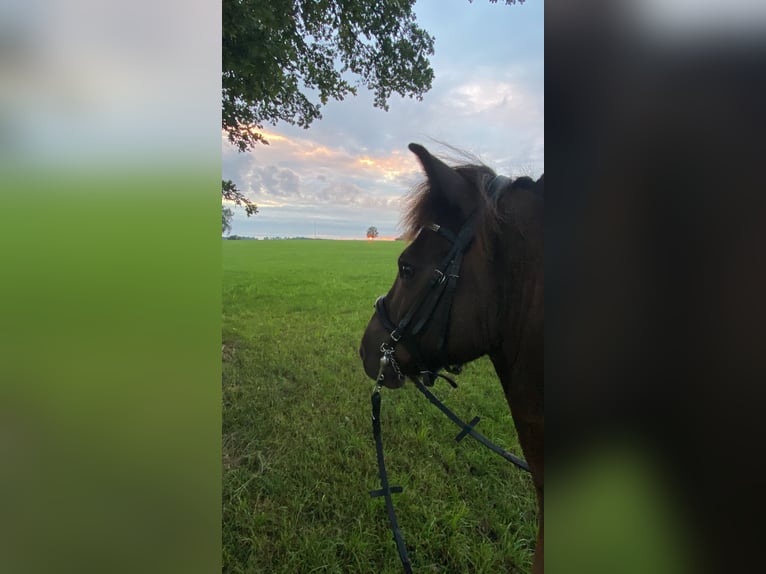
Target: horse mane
(423, 208)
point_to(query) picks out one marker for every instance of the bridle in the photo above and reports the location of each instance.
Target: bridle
(434, 304)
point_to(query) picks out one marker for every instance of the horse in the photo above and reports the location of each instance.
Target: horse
(469, 283)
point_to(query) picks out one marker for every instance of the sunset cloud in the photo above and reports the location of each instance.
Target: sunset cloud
(302, 172)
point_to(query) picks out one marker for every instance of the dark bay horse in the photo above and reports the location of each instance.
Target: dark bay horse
(470, 284)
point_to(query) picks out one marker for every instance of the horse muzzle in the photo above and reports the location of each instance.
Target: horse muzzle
(381, 366)
(389, 372)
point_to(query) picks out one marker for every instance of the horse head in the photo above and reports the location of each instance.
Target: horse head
(443, 307)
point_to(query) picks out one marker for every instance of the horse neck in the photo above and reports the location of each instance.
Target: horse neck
(518, 353)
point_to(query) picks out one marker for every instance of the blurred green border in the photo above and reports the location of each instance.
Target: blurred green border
(110, 406)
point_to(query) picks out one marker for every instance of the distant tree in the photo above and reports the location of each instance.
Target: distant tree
(372, 232)
(226, 215)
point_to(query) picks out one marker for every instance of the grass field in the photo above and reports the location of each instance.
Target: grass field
(298, 451)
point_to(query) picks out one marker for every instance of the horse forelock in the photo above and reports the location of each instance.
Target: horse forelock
(422, 207)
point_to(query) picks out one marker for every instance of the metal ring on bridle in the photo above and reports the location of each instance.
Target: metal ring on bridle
(386, 359)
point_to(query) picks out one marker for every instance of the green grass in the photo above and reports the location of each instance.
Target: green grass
(298, 451)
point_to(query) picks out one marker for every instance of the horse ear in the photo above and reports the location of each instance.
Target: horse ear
(444, 180)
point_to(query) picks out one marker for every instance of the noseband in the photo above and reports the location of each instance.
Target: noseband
(434, 303)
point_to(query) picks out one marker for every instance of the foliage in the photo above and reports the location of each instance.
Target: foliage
(372, 232)
(284, 59)
(229, 191)
(298, 452)
(226, 215)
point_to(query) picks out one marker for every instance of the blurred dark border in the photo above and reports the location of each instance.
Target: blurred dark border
(655, 236)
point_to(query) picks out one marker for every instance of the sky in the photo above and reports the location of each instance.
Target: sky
(351, 169)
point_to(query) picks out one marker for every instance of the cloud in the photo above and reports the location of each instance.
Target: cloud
(299, 171)
(502, 100)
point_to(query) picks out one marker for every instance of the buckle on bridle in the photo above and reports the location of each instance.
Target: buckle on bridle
(395, 335)
(440, 276)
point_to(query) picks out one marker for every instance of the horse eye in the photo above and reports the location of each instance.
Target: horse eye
(405, 271)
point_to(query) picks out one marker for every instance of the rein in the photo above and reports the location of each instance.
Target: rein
(467, 430)
(386, 490)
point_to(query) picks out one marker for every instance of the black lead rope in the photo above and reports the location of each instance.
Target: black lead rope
(467, 429)
(386, 490)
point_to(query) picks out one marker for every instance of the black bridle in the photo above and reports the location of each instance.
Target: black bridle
(434, 303)
(438, 295)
